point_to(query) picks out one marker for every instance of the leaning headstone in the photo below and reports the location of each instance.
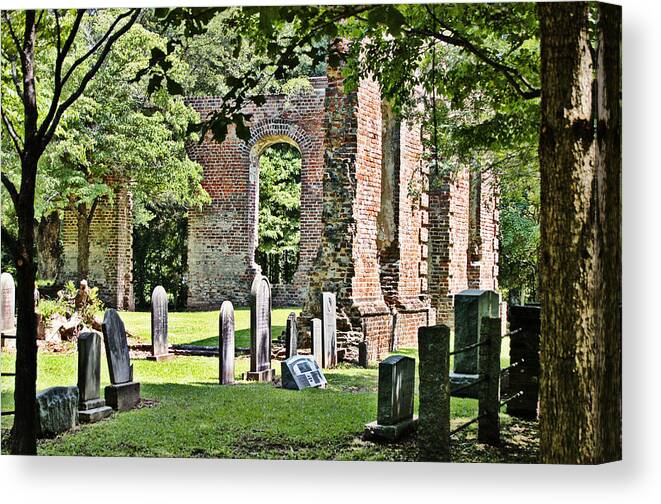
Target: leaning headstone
(7, 303)
(260, 331)
(434, 393)
(300, 372)
(226, 342)
(291, 336)
(91, 408)
(159, 325)
(317, 345)
(57, 411)
(122, 393)
(329, 330)
(395, 400)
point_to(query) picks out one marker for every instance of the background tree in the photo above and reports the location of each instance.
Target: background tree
(26, 35)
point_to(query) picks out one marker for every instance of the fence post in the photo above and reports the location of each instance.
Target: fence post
(488, 429)
(434, 392)
(524, 346)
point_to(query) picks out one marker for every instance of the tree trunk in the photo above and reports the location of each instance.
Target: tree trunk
(579, 261)
(83, 262)
(49, 249)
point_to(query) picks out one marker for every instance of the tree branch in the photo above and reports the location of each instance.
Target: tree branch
(10, 241)
(12, 133)
(12, 33)
(11, 189)
(48, 133)
(90, 215)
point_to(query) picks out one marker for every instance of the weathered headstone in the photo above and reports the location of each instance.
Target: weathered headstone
(159, 325)
(260, 331)
(300, 372)
(91, 407)
(469, 308)
(317, 344)
(123, 393)
(226, 342)
(395, 402)
(57, 411)
(525, 327)
(434, 393)
(329, 330)
(291, 336)
(7, 302)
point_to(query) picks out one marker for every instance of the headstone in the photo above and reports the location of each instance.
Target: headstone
(317, 346)
(260, 331)
(7, 303)
(123, 393)
(291, 336)
(57, 411)
(226, 342)
(300, 372)
(91, 407)
(395, 400)
(470, 306)
(525, 327)
(363, 354)
(159, 325)
(433, 435)
(329, 330)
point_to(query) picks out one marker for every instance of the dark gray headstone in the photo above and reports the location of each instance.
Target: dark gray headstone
(57, 410)
(363, 354)
(7, 302)
(89, 366)
(117, 348)
(260, 330)
(291, 336)
(470, 306)
(159, 322)
(226, 350)
(317, 344)
(300, 372)
(396, 389)
(329, 330)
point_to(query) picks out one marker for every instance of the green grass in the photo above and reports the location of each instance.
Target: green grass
(201, 328)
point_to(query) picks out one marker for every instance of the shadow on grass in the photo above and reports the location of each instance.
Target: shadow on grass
(241, 338)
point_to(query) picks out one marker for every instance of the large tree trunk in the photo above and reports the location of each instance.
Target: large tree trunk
(580, 268)
(83, 242)
(49, 249)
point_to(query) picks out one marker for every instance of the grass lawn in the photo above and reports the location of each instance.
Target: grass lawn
(201, 328)
(185, 413)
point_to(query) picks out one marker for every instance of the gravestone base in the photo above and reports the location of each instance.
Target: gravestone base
(458, 380)
(94, 414)
(123, 396)
(162, 357)
(260, 376)
(389, 433)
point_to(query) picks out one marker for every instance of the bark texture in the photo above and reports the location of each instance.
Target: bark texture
(580, 267)
(49, 247)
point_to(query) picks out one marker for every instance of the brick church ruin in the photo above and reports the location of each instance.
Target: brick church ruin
(393, 245)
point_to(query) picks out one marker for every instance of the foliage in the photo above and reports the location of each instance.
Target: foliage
(279, 211)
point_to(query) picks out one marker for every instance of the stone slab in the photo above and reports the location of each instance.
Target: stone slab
(260, 376)
(117, 349)
(123, 396)
(57, 411)
(159, 358)
(389, 433)
(159, 322)
(91, 404)
(94, 415)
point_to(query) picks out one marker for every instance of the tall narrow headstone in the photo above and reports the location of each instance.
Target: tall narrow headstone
(122, 393)
(159, 325)
(317, 344)
(329, 329)
(91, 408)
(470, 306)
(260, 331)
(7, 303)
(226, 342)
(395, 401)
(291, 336)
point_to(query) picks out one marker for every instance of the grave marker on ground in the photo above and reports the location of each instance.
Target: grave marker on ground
(329, 329)
(226, 342)
(91, 408)
(159, 325)
(260, 331)
(395, 403)
(300, 372)
(123, 393)
(291, 336)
